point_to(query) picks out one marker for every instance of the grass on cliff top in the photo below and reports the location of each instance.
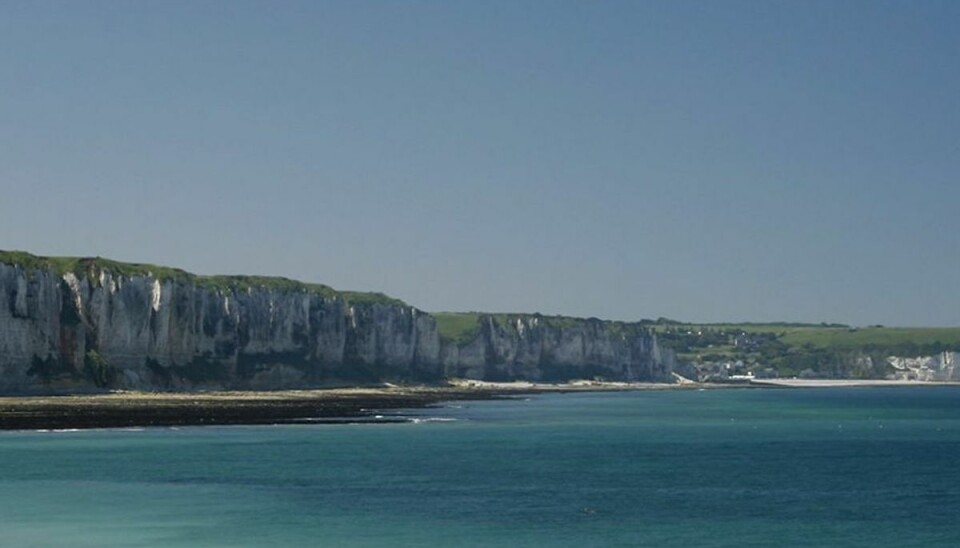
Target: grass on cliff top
(837, 336)
(852, 338)
(92, 266)
(462, 327)
(458, 327)
(746, 327)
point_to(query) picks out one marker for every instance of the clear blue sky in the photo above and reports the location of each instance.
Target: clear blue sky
(703, 161)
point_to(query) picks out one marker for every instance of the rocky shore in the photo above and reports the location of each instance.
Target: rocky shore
(376, 404)
(336, 405)
(127, 409)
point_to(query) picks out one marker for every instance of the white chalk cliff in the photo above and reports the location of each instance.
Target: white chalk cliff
(944, 366)
(97, 326)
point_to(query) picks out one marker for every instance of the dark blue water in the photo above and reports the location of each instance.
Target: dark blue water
(816, 467)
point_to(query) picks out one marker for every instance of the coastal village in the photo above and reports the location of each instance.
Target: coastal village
(726, 354)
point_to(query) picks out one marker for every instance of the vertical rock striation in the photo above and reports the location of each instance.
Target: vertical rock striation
(943, 366)
(87, 324)
(540, 348)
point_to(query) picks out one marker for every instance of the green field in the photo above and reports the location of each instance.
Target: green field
(462, 327)
(835, 337)
(853, 338)
(458, 327)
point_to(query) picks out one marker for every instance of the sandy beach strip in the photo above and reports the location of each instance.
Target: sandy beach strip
(830, 383)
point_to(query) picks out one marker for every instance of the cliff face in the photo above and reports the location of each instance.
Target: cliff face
(944, 366)
(533, 347)
(93, 327)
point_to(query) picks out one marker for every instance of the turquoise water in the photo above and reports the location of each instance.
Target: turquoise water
(818, 467)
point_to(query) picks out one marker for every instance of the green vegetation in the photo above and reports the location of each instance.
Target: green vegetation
(202, 369)
(361, 298)
(81, 266)
(783, 348)
(828, 336)
(91, 267)
(560, 322)
(49, 368)
(746, 327)
(97, 370)
(790, 349)
(244, 283)
(852, 338)
(463, 327)
(457, 327)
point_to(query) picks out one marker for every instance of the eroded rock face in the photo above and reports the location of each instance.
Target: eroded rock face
(531, 347)
(30, 316)
(944, 366)
(68, 332)
(104, 330)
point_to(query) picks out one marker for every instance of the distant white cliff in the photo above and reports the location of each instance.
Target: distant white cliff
(944, 366)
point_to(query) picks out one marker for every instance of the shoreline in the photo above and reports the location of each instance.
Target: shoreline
(839, 383)
(122, 409)
(142, 409)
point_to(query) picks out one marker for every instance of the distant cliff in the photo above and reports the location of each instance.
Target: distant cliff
(943, 366)
(723, 352)
(83, 324)
(550, 348)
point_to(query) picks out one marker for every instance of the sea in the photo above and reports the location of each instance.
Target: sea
(872, 467)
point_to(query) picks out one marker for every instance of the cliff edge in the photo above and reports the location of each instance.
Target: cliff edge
(85, 324)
